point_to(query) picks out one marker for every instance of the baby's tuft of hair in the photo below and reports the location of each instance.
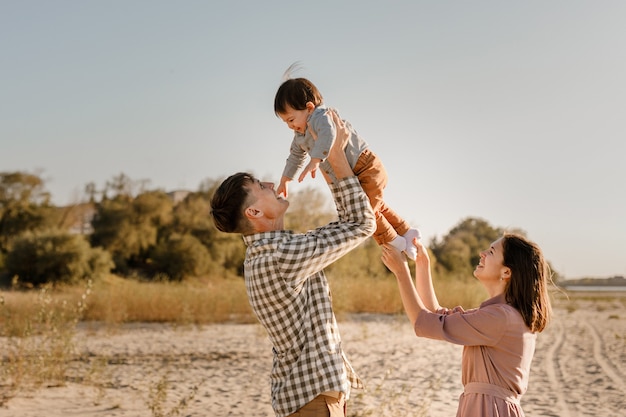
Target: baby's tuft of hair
(289, 72)
(295, 92)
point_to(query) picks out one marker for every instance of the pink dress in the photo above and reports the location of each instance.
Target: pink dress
(497, 353)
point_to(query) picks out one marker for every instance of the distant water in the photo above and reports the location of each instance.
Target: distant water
(603, 288)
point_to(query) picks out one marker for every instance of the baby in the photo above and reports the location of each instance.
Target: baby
(299, 104)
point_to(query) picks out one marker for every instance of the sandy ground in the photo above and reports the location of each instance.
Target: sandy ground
(579, 369)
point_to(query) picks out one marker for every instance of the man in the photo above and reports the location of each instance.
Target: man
(286, 285)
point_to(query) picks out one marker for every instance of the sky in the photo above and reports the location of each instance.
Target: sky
(512, 112)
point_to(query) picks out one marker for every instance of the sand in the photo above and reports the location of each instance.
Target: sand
(579, 369)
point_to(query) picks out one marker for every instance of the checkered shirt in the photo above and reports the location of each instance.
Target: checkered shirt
(290, 296)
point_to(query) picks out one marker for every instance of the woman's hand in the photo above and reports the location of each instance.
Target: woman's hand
(394, 259)
(397, 263)
(422, 254)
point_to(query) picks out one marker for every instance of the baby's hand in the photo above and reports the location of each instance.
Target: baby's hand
(311, 167)
(282, 187)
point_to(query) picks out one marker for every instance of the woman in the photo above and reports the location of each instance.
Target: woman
(499, 336)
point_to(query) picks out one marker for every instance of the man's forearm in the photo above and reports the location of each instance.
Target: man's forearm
(339, 162)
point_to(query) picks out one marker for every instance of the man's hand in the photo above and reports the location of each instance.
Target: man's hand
(337, 156)
(343, 133)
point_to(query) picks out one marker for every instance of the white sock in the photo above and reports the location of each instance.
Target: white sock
(399, 243)
(411, 250)
(412, 234)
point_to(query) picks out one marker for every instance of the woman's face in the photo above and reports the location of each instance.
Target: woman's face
(491, 266)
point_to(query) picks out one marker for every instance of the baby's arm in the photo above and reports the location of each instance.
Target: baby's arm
(323, 130)
(282, 187)
(311, 167)
(296, 160)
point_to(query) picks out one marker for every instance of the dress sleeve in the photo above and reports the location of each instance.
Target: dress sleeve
(308, 253)
(483, 326)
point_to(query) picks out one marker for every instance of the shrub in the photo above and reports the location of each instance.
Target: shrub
(55, 257)
(181, 256)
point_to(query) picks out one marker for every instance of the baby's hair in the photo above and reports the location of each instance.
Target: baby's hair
(295, 92)
(293, 68)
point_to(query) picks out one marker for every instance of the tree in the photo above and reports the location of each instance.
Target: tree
(56, 256)
(129, 227)
(191, 216)
(459, 250)
(181, 256)
(24, 205)
(90, 191)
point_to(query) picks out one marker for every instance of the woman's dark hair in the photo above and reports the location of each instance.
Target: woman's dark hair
(527, 290)
(295, 93)
(229, 202)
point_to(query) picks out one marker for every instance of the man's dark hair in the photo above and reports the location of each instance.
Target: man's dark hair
(228, 201)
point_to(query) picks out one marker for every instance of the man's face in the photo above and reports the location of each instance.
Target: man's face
(265, 199)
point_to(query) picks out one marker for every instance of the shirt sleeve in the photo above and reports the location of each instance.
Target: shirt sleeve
(322, 124)
(295, 160)
(483, 326)
(308, 253)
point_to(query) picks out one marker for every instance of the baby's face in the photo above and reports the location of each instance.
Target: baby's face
(295, 119)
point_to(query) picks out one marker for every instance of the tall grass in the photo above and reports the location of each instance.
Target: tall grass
(118, 300)
(37, 338)
(359, 294)
(38, 327)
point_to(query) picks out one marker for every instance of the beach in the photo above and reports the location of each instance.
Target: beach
(133, 370)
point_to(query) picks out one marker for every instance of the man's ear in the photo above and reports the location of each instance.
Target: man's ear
(253, 213)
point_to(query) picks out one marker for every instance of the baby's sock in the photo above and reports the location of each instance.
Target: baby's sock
(399, 243)
(411, 250)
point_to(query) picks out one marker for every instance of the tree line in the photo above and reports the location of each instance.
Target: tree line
(133, 231)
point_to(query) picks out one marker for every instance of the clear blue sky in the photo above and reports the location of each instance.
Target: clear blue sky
(513, 112)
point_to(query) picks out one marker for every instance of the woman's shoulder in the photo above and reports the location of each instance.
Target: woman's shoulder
(504, 310)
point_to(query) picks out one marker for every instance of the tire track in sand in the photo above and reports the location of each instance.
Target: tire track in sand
(602, 359)
(554, 373)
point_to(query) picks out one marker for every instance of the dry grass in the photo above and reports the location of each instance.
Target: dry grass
(37, 344)
(117, 300)
(37, 327)
(367, 295)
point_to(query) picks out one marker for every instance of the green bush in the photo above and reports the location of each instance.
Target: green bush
(55, 256)
(181, 256)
